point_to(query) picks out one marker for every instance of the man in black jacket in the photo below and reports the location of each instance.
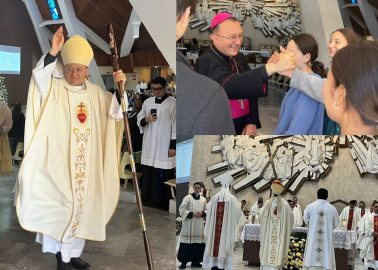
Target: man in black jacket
(202, 104)
(224, 64)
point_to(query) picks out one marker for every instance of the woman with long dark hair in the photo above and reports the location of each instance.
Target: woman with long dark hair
(301, 114)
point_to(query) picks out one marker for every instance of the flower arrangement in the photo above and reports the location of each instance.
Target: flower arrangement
(178, 225)
(295, 255)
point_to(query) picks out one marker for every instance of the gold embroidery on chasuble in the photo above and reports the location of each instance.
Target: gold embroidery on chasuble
(274, 240)
(80, 153)
(319, 236)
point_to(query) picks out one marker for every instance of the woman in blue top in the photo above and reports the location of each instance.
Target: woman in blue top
(301, 114)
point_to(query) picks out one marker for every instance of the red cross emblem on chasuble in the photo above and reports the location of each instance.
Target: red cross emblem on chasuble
(81, 112)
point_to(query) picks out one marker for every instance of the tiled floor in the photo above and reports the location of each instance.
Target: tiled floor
(123, 249)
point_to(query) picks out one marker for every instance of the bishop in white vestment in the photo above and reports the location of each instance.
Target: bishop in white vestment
(222, 229)
(192, 241)
(69, 183)
(276, 219)
(321, 217)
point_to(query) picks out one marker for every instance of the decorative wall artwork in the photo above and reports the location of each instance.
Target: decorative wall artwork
(364, 150)
(272, 17)
(254, 162)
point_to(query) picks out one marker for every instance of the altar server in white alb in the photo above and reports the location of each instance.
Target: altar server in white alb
(349, 217)
(224, 221)
(192, 241)
(369, 247)
(157, 122)
(255, 210)
(276, 219)
(69, 184)
(321, 218)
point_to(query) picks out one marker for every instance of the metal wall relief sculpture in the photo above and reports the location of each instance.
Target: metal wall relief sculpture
(255, 162)
(272, 17)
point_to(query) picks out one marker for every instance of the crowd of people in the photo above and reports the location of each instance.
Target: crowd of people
(277, 217)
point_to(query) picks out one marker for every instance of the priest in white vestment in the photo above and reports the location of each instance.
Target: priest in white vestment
(276, 219)
(222, 229)
(298, 218)
(69, 183)
(255, 211)
(369, 247)
(361, 230)
(362, 209)
(349, 217)
(321, 218)
(192, 242)
(297, 211)
(157, 122)
(6, 124)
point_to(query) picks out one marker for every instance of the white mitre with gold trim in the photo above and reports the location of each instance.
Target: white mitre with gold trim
(77, 50)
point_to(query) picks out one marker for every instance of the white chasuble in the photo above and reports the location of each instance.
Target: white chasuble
(69, 184)
(276, 219)
(222, 229)
(349, 219)
(369, 247)
(321, 218)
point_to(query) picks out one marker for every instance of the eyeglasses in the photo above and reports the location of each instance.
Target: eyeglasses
(157, 88)
(79, 70)
(232, 38)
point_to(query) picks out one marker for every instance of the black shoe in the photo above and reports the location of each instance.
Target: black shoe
(196, 265)
(182, 266)
(78, 263)
(60, 264)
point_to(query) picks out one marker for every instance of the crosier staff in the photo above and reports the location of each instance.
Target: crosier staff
(114, 56)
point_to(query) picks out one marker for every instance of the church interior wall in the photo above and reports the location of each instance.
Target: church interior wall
(343, 181)
(18, 31)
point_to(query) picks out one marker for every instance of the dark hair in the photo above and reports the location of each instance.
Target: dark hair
(307, 44)
(182, 5)
(318, 68)
(233, 19)
(159, 80)
(143, 97)
(197, 183)
(353, 202)
(356, 68)
(322, 193)
(349, 35)
(290, 201)
(16, 111)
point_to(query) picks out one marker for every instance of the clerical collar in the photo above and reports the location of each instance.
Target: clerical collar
(195, 196)
(74, 88)
(159, 100)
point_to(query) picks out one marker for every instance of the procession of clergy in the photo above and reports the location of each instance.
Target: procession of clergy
(210, 230)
